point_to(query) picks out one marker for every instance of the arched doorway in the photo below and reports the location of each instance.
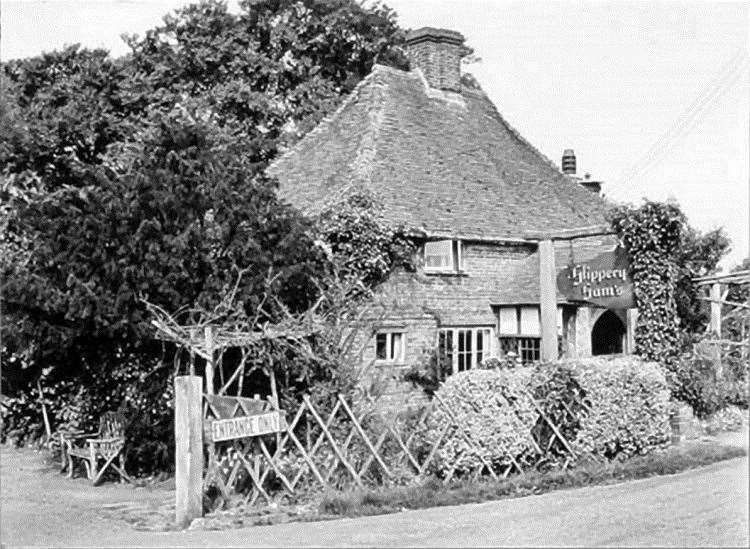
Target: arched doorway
(607, 335)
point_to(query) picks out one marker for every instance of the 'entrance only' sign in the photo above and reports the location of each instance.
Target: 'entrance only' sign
(247, 426)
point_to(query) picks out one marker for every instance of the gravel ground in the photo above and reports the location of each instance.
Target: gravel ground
(702, 507)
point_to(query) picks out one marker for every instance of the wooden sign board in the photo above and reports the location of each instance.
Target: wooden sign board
(246, 426)
(602, 281)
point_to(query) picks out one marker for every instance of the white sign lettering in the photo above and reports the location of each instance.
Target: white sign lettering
(247, 426)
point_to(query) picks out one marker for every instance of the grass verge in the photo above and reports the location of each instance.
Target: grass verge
(434, 493)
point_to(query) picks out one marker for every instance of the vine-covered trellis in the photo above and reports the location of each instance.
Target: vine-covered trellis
(724, 311)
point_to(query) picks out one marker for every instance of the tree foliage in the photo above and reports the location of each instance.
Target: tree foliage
(142, 178)
(698, 255)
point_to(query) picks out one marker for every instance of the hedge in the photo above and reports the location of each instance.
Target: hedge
(620, 408)
(495, 412)
(629, 406)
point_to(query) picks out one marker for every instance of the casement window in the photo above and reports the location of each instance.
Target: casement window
(442, 256)
(390, 347)
(519, 331)
(461, 349)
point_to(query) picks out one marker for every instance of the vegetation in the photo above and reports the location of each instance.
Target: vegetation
(434, 493)
(606, 408)
(141, 179)
(652, 234)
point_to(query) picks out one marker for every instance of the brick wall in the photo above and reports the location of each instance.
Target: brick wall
(418, 304)
(440, 62)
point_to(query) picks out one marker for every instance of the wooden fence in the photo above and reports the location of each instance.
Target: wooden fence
(360, 444)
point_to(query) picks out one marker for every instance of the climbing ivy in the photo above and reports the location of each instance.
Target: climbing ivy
(361, 241)
(652, 234)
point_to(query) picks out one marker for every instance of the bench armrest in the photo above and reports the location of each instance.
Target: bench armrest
(104, 440)
(77, 435)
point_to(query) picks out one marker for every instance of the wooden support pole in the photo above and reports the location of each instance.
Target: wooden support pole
(716, 308)
(47, 428)
(209, 341)
(548, 299)
(632, 321)
(188, 435)
(716, 300)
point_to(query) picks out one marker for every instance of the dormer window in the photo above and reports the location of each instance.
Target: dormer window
(442, 256)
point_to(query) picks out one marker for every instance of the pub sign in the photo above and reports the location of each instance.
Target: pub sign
(602, 281)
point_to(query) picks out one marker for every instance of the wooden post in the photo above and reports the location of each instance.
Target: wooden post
(716, 309)
(209, 339)
(548, 299)
(47, 428)
(716, 300)
(188, 435)
(632, 320)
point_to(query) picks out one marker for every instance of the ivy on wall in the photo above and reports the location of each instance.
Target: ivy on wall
(361, 241)
(651, 234)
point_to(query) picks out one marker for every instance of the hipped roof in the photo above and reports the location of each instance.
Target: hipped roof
(440, 162)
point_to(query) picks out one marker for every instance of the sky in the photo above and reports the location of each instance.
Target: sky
(654, 97)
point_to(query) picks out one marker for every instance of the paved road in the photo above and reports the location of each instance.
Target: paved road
(703, 507)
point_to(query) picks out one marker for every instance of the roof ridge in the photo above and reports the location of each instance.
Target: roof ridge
(515, 133)
(362, 165)
(325, 122)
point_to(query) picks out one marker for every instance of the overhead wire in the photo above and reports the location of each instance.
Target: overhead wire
(723, 81)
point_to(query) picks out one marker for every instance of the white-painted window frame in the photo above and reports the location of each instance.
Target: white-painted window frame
(489, 344)
(390, 356)
(454, 255)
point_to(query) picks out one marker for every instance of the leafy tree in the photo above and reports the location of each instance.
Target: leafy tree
(142, 178)
(172, 222)
(272, 71)
(698, 255)
(61, 110)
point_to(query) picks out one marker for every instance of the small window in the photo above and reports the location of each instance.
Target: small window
(390, 347)
(524, 320)
(530, 324)
(442, 255)
(461, 349)
(527, 349)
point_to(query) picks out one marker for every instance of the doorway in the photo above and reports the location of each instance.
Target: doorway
(607, 335)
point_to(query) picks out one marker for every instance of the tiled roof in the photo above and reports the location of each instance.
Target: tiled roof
(439, 161)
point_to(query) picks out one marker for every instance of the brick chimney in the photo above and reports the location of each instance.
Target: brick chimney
(437, 53)
(569, 162)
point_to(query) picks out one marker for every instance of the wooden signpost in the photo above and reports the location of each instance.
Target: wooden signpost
(228, 418)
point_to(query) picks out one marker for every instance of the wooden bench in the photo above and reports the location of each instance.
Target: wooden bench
(107, 444)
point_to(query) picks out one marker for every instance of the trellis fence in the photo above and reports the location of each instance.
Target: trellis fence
(362, 445)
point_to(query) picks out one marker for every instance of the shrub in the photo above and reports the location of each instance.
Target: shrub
(728, 419)
(611, 408)
(495, 412)
(695, 381)
(628, 406)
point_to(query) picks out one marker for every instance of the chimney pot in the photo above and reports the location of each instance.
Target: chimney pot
(437, 53)
(569, 162)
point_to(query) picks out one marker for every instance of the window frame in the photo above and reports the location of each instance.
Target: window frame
(455, 257)
(390, 356)
(454, 335)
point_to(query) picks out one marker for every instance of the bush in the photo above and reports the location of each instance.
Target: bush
(495, 412)
(611, 408)
(728, 419)
(694, 380)
(628, 406)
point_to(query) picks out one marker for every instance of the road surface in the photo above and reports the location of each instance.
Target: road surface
(702, 507)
